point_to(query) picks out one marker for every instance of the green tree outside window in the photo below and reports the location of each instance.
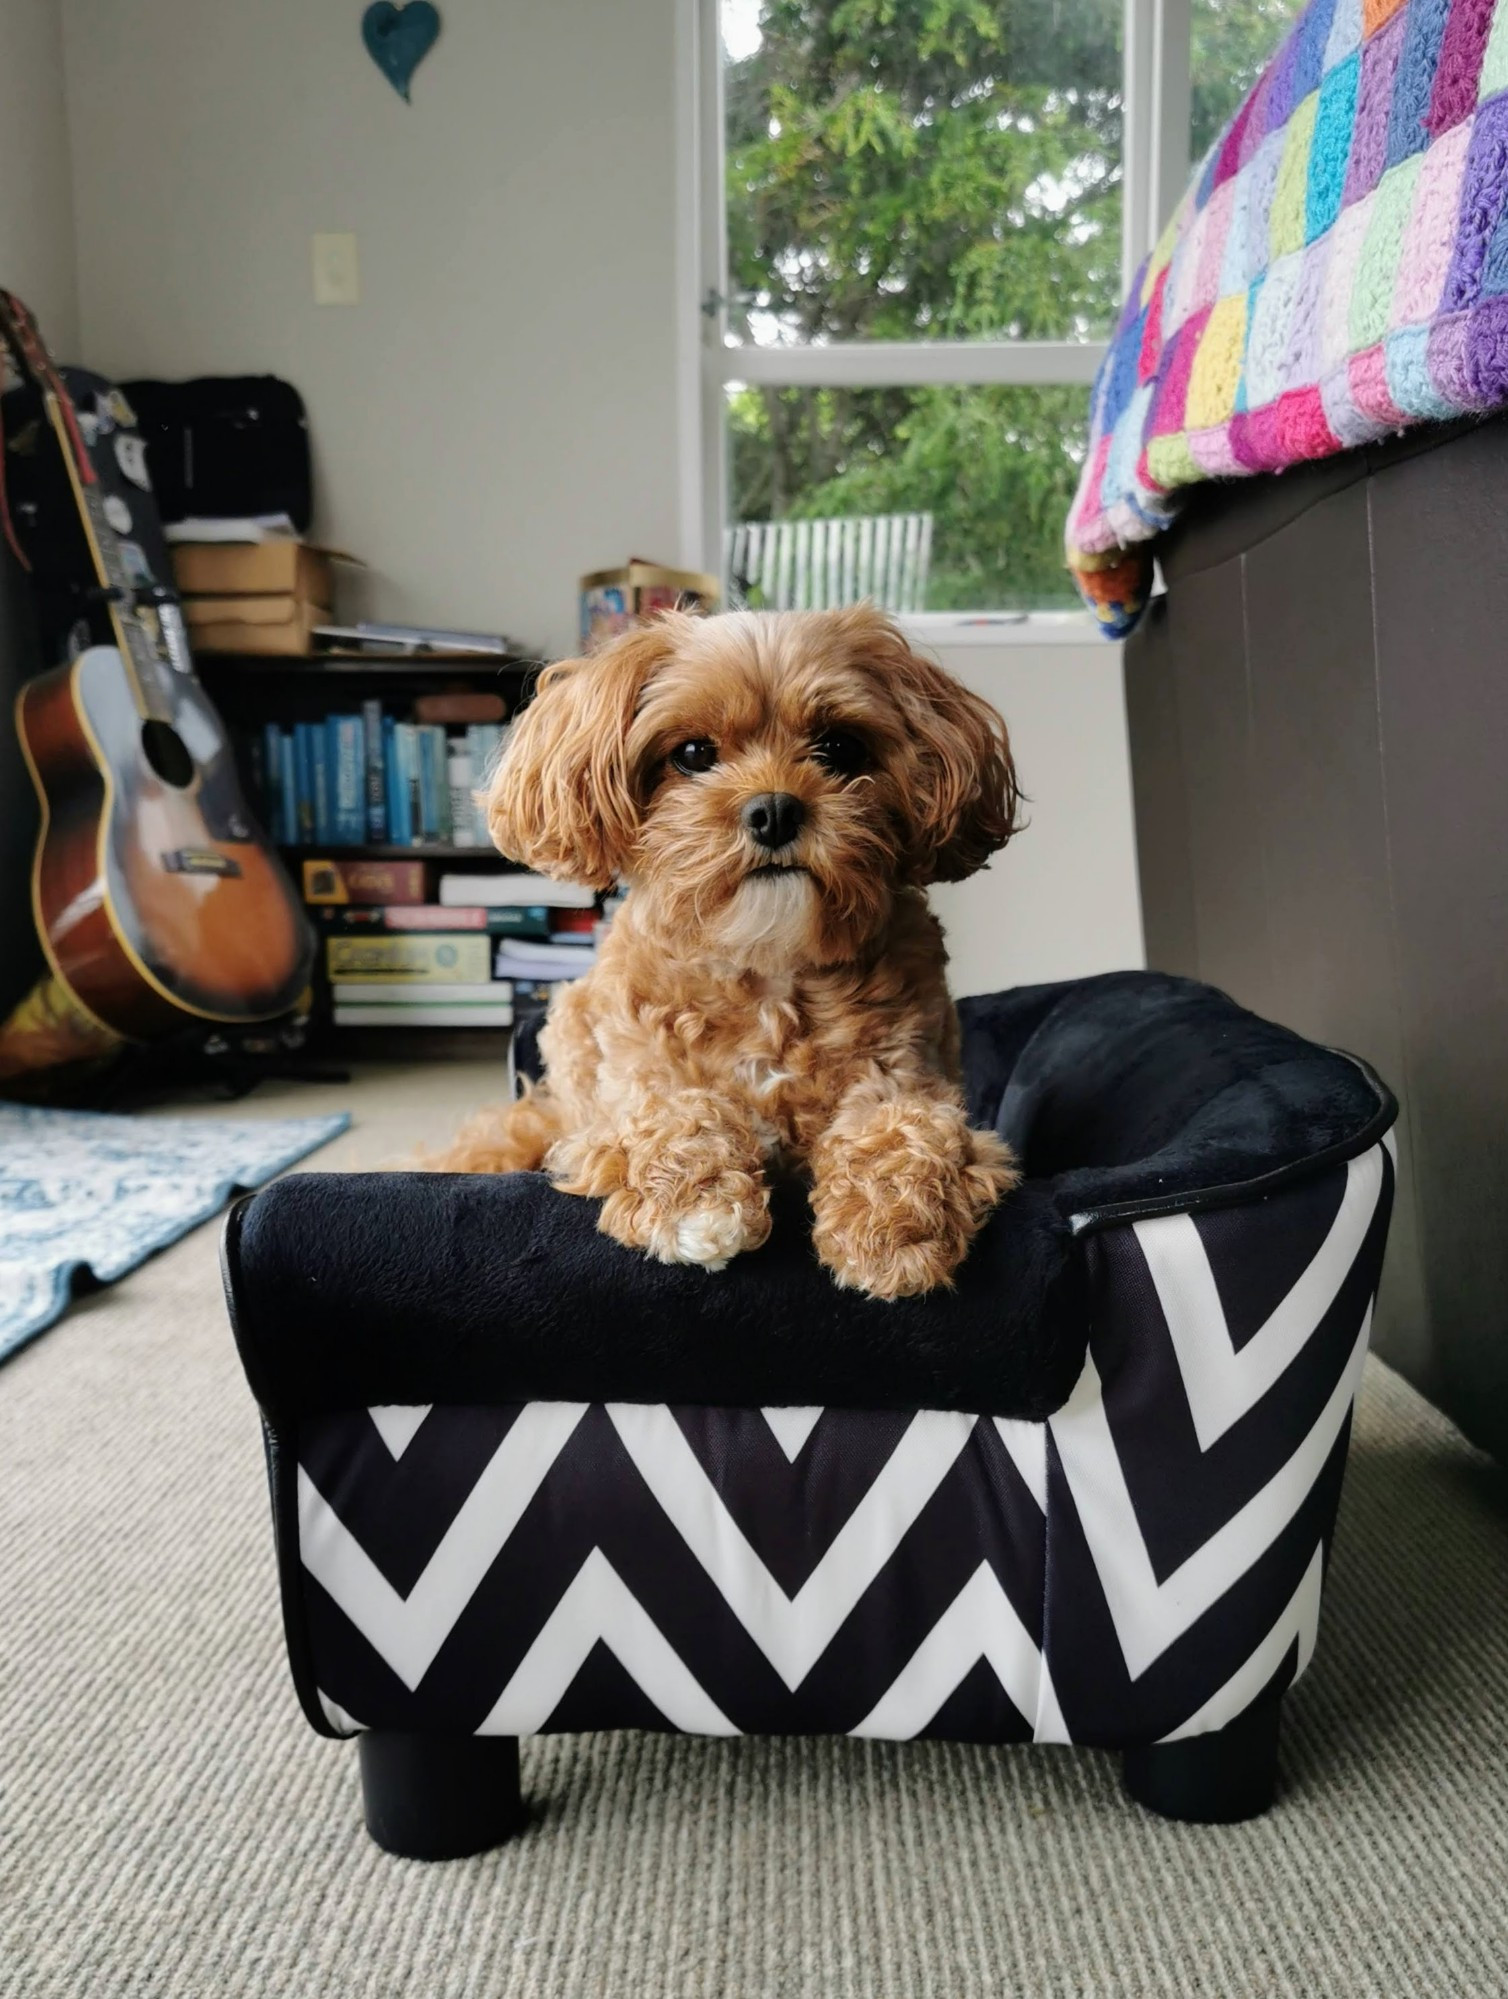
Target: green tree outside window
(938, 170)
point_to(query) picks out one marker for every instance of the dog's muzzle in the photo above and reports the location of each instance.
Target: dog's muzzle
(773, 819)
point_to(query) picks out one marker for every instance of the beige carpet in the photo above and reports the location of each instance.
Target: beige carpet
(169, 1826)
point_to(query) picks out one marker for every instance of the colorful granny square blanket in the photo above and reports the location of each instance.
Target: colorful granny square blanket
(1338, 269)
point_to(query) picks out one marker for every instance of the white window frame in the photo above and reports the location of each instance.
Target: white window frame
(1155, 167)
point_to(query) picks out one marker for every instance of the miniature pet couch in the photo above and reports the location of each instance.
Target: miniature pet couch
(525, 1480)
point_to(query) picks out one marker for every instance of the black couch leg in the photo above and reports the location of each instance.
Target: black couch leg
(1210, 1779)
(440, 1797)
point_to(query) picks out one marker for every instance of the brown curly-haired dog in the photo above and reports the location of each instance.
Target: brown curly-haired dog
(776, 789)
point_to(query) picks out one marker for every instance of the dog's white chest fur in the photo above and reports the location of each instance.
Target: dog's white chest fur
(761, 1075)
(763, 1068)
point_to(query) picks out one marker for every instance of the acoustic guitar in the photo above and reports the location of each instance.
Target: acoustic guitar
(157, 898)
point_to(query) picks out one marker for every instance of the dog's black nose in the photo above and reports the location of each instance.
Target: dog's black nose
(774, 818)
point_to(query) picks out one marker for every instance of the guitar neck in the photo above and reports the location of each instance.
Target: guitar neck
(148, 653)
(144, 656)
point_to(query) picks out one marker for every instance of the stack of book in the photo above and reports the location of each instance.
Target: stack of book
(536, 952)
(352, 779)
(395, 958)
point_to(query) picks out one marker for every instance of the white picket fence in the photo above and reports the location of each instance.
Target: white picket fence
(820, 565)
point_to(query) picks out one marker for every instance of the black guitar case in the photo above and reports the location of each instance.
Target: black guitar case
(226, 446)
(44, 517)
(39, 516)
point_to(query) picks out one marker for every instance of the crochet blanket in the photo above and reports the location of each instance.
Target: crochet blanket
(1338, 269)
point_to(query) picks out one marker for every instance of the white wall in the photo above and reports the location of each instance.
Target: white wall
(498, 413)
(503, 408)
(36, 195)
(1061, 901)
(37, 264)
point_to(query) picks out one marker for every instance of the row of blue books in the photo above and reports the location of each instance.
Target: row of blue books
(370, 780)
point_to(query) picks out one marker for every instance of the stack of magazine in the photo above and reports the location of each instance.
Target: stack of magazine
(416, 639)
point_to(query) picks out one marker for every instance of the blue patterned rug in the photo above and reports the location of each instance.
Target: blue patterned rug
(82, 1192)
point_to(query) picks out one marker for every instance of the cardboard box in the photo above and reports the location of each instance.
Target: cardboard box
(253, 624)
(614, 599)
(255, 569)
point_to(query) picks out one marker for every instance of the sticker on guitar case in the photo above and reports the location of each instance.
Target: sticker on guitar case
(133, 556)
(104, 414)
(88, 427)
(118, 514)
(175, 636)
(131, 457)
(120, 409)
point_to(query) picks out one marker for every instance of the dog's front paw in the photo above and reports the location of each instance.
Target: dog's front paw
(693, 1188)
(708, 1232)
(898, 1201)
(712, 1234)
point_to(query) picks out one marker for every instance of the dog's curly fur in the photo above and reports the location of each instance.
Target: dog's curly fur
(751, 1009)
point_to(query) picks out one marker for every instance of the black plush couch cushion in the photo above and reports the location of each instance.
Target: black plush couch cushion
(1124, 1095)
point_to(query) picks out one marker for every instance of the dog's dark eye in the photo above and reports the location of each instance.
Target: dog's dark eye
(699, 754)
(841, 752)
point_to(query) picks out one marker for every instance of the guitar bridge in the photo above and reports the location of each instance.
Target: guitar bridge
(199, 861)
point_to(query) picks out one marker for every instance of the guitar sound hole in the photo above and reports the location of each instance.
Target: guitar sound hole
(165, 752)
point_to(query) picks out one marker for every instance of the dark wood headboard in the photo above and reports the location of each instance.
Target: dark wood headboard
(1318, 715)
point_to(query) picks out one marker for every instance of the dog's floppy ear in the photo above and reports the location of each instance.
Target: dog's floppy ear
(968, 802)
(563, 798)
(962, 798)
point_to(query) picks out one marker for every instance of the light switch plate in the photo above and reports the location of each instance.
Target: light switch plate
(337, 279)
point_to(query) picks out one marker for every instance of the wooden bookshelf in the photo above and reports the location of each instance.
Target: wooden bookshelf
(251, 689)
(426, 667)
(328, 851)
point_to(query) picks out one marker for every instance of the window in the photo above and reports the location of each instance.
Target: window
(1230, 46)
(922, 219)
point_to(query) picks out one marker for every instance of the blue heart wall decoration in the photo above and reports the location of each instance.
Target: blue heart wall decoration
(399, 38)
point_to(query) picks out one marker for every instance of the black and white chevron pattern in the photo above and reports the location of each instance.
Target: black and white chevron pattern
(1143, 1565)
